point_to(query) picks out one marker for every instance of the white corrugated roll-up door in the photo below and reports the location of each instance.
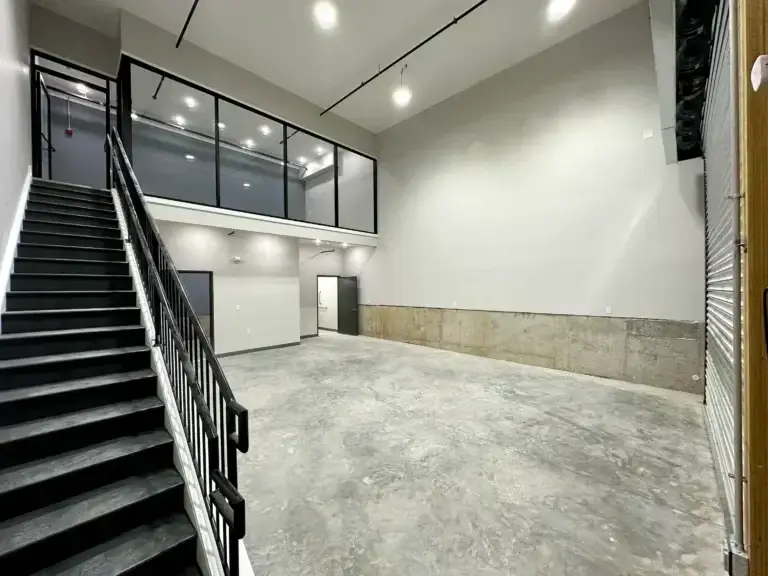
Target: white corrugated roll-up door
(718, 157)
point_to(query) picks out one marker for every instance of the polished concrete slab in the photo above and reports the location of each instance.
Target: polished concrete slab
(371, 457)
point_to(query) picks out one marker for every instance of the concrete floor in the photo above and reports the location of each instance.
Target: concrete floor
(371, 458)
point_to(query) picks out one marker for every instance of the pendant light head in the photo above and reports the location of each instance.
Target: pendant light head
(402, 94)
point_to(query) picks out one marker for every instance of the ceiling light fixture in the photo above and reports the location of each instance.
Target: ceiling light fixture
(320, 150)
(179, 120)
(559, 9)
(301, 160)
(318, 242)
(134, 116)
(222, 126)
(265, 130)
(189, 157)
(326, 14)
(246, 184)
(82, 88)
(248, 143)
(344, 245)
(190, 102)
(402, 94)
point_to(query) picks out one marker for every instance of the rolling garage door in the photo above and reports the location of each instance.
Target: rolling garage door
(721, 379)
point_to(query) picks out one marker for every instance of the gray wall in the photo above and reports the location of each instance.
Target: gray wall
(79, 159)
(15, 148)
(544, 189)
(256, 301)
(72, 41)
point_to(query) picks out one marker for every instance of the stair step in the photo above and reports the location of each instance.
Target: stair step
(47, 400)
(24, 265)
(40, 184)
(58, 216)
(59, 251)
(20, 372)
(63, 206)
(73, 240)
(86, 520)
(72, 198)
(35, 439)
(48, 300)
(56, 226)
(44, 343)
(50, 320)
(69, 282)
(41, 482)
(156, 548)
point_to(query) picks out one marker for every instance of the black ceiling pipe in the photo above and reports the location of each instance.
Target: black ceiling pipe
(178, 42)
(421, 44)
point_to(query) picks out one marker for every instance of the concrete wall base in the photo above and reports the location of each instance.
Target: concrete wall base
(663, 353)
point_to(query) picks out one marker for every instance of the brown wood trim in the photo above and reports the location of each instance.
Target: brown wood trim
(753, 41)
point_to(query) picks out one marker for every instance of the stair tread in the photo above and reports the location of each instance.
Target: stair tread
(57, 213)
(65, 205)
(88, 355)
(59, 223)
(72, 332)
(68, 311)
(42, 390)
(53, 467)
(69, 275)
(64, 292)
(67, 247)
(66, 186)
(61, 422)
(55, 193)
(66, 235)
(128, 551)
(32, 528)
(72, 260)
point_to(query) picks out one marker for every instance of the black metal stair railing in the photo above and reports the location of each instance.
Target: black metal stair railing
(216, 426)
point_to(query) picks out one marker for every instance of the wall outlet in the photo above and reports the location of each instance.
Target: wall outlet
(248, 330)
(607, 309)
(237, 307)
(454, 304)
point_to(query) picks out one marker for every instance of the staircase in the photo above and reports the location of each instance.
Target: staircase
(87, 480)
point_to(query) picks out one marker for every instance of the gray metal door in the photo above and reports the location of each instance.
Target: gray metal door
(721, 273)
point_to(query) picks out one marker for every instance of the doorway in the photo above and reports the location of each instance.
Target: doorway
(337, 308)
(198, 284)
(71, 116)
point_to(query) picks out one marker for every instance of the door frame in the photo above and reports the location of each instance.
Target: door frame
(210, 298)
(317, 301)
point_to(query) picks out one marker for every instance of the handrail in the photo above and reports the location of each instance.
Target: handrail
(241, 439)
(215, 424)
(189, 371)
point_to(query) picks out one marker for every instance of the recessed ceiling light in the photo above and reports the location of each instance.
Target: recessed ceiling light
(179, 120)
(318, 242)
(326, 14)
(301, 160)
(82, 88)
(402, 96)
(320, 150)
(134, 116)
(246, 184)
(344, 245)
(190, 102)
(248, 143)
(265, 129)
(189, 157)
(222, 126)
(559, 9)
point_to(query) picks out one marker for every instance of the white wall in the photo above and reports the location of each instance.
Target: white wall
(15, 148)
(539, 190)
(148, 42)
(328, 303)
(313, 261)
(256, 302)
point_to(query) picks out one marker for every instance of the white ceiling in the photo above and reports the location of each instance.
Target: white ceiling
(278, 40)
